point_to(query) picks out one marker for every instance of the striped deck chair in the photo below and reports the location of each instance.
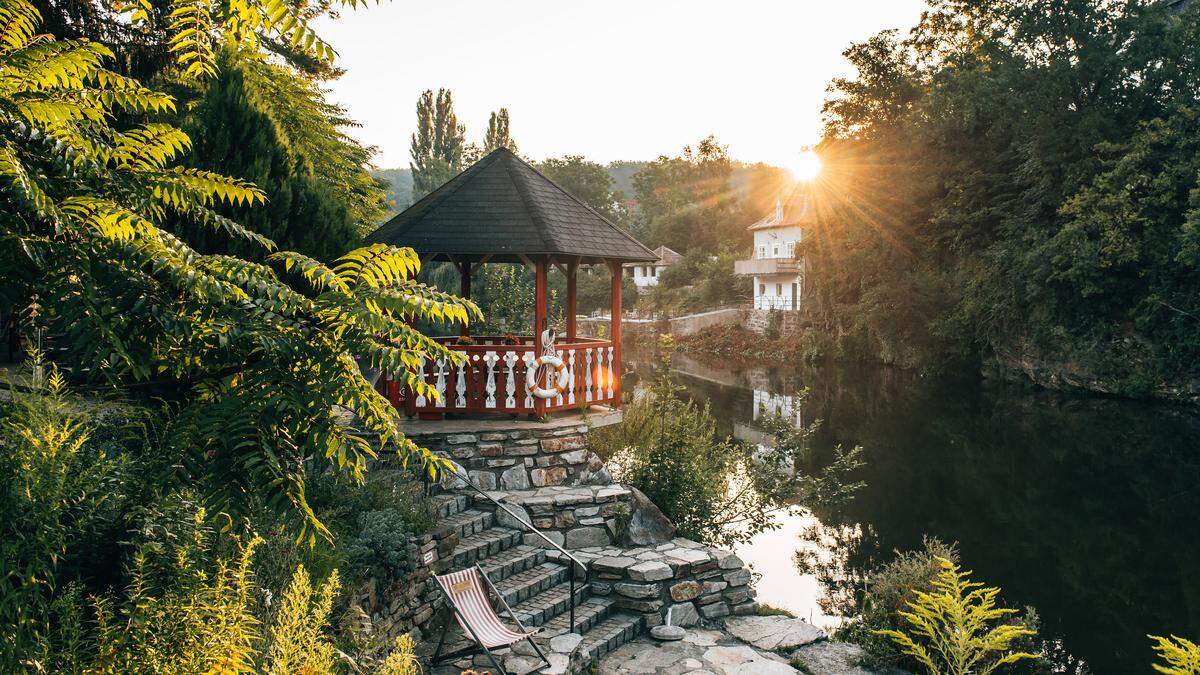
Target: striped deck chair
(467, 599)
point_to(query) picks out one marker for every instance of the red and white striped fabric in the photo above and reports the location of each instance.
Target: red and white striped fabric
(465, 589)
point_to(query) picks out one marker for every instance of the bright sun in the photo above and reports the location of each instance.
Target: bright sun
(805, 165)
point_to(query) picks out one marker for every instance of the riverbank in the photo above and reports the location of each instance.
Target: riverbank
(809, 345)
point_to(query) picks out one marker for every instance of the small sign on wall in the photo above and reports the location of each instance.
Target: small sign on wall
(428, 557)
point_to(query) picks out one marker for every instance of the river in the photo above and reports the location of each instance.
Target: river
(1086, 509)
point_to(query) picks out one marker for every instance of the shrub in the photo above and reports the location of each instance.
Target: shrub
(384, 547)
(298, 643)
(958, 628)
(1180, 656)
(55, 486)
(714, 489)
(888, 590)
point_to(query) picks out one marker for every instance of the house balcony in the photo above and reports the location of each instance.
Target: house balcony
(493, 378)
(762, 267)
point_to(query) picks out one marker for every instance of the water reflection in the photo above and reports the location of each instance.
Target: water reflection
(1084, 508)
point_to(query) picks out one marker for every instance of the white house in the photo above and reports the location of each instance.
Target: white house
(778, 274)
(646, 274)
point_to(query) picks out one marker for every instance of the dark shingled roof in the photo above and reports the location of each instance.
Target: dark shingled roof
(501, 208)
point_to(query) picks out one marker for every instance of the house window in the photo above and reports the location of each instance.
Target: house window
(778, 289)
(775, 251)
(762, 289)
(654, 271)
(791, 249)
(762, 251)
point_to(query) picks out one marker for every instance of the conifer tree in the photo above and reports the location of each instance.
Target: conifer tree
(438, 144)
(497, 133)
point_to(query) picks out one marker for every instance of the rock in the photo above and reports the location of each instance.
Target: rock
(548, 477)
(647, 524)
(599, 476)
(651, 570)
(774, 632)
(727, 560)
(566, 643)
(503, 519)
(514, 479)
(484, 480)
(583, 537)
(684, 614)
(738, 577)
(559, 663)
(575, 456)
(744, 661)
(830, 658)
(521, 665)
(641, 591)
(715, 610)
(685, 590)
(459, 439)
(612, 564)
(667, 633)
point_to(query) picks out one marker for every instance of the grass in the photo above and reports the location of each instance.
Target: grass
(768, 610)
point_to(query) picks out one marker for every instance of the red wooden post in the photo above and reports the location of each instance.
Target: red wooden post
(539, 323)
(571, 305)
(464, 285)
(616, 331)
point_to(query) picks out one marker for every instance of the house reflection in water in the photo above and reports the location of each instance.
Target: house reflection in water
(768, 405)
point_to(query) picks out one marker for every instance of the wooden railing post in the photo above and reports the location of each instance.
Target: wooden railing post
(539, 323)
(616, 332)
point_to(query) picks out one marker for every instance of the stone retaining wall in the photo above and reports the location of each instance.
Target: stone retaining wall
(521, 457)
(698, 584)
(408, 604)
(573, 517)
(758, 320)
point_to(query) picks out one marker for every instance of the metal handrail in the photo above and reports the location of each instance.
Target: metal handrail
(539, 533)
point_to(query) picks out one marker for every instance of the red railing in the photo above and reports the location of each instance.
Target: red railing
(493, 379)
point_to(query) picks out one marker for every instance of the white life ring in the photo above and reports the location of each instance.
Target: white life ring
(561, 379)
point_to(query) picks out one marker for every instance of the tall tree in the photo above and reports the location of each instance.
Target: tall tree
(265, 124)
(438, 144)
(497, 133)
(689, 201)
(588, 182)
(1010, 186)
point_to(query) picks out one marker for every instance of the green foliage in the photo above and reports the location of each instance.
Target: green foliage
(715, 490)
(265, 124)
(438, 144)
(384, 547)
(588, 182)
(399, 189)
(957, 628)
(56, 488)
(1180, 656)
(258, 357)
(699, 282)
(1005, 189)
(297, 635)
(689, 201)
(186, 609)
(497, 133)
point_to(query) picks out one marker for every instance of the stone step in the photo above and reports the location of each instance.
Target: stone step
(548, 604)
(587, 614)
(482, 545)
(468, 522)
(524, 585)
(448, 504)
(606, 636)
(516, 559)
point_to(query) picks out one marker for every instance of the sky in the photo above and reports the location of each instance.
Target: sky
(620, 79)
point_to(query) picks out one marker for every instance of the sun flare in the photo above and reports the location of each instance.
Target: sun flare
(804, 165)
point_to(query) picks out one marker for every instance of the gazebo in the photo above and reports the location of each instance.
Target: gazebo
(502, 210)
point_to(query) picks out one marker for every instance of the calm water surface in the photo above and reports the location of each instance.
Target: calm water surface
(1086, 509)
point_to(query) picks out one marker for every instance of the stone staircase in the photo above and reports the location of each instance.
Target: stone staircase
(537, 588)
